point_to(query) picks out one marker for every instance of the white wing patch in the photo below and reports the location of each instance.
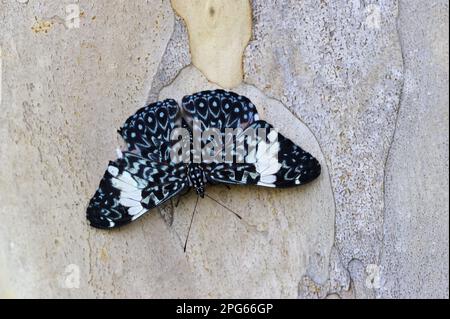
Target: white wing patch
(114, 171)
(130, 191)
(267, 164)
(119, 153)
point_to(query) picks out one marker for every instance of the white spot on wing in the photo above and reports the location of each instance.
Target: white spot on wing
(266, 185)
(268, 179)
(129, 202)
(136, 195)
(119, 153)
(267, 156)
(122, 186)
(272, 136)
(126, 177)
(137, 210)
(114, 171)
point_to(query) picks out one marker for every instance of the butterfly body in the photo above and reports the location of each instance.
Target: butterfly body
(148, 173)
(197, 178)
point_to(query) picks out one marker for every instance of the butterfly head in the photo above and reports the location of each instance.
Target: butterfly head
(197, 179)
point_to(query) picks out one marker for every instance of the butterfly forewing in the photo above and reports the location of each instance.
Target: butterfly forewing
(130, 187)
(274, 161)
(144, 177)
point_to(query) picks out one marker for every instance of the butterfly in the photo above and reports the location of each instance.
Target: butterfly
(149, 173)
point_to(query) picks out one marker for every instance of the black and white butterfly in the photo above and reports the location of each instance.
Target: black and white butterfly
(146, 176)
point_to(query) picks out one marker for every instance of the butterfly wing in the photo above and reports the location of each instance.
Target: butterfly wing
(148, 131)
(144, 177)
(219, 109)
(131, 186)
(273, 161)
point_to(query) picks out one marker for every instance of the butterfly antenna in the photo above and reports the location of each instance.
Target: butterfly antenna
(190, 225)
(230, 210)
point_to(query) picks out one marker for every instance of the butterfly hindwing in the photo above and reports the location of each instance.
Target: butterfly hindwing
(148, 131)
(219, 109)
